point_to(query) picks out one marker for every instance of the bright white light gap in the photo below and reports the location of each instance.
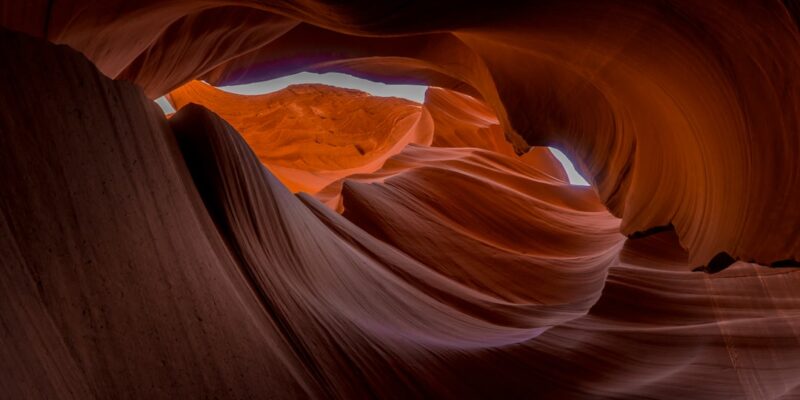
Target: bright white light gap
(575, 177)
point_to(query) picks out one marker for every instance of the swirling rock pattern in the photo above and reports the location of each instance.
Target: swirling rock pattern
(312, 135)
(152, 258)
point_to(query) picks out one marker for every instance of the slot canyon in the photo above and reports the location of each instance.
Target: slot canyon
(319, 241)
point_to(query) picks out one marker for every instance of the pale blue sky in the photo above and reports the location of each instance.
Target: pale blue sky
(575, 177)
(410, 92)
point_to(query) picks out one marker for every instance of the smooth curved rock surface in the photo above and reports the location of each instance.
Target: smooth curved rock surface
(115, 281)
(611, 83)
(312, 135)
(533, 228)
(460, 120)
(145, 257)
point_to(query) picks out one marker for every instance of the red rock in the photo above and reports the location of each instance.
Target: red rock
(462, 121)
(312, 135)
(138, 265)
(115, 281)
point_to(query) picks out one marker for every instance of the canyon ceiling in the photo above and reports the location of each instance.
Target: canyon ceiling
(321, 242)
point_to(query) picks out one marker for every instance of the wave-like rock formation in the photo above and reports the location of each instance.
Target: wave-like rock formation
(611, 83)
(319, 242)
(312, 135)
(463, 121)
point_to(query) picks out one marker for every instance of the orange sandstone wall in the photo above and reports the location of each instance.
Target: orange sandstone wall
(146, 257)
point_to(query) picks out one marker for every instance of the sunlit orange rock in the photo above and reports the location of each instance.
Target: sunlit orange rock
(152, 258)
(312, 135)
(462, 121)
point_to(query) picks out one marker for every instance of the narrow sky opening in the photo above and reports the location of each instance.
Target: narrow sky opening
(410, 92)
(164, 104)
(574, 176)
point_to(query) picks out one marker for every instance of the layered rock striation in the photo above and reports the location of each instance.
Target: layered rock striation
(319, 242)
